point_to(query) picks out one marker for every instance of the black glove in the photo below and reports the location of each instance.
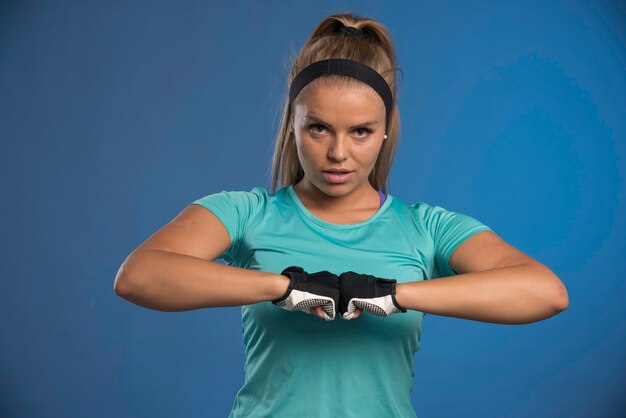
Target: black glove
(372, 294)
(308, 290)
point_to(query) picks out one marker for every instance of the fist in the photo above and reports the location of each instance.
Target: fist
(317, 311)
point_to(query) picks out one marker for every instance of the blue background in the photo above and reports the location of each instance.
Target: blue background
(114, 116)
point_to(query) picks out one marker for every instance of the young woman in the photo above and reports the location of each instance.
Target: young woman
(333, 273)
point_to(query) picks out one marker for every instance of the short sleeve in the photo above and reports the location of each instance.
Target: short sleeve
(235, 209)
(448, 230)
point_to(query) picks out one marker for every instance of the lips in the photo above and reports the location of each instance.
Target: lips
(337, 176)
(337, 171)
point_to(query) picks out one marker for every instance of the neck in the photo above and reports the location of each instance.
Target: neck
(312, 197)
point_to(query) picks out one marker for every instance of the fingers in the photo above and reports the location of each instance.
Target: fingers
(319, 312)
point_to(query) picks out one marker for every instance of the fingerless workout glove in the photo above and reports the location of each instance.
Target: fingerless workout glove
(372, 294)
(308, 290)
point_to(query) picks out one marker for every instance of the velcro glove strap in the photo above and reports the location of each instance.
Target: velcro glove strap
(372, 294)
(309, 290)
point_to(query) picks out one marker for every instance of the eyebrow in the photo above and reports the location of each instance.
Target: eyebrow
(316, 119)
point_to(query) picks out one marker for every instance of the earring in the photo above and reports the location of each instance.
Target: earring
(385, 137)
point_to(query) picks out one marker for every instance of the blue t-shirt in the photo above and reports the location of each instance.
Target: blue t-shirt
(299, 365)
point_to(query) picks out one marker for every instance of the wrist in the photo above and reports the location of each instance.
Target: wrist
(400, 295)
(279, 286)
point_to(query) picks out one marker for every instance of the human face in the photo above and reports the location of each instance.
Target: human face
(338, 127)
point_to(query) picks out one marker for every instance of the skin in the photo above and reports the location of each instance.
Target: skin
(330, 133)
(338, 126)
(495, 283)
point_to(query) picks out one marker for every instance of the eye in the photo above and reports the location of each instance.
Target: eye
(363, 132)
(316, 128)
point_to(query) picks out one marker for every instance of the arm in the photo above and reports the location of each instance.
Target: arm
(173, 270)
(496, 283)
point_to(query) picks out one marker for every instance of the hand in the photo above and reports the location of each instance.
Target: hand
(307, 291)
(319, 312)
(372, 294)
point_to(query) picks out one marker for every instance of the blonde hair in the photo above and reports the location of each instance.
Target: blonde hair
(374, 49)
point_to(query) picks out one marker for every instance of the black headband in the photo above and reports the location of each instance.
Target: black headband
(344, 67)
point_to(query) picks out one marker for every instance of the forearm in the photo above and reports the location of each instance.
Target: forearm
(509, 295)
(167, 281)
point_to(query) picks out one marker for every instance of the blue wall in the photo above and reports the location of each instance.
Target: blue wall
(115, 116)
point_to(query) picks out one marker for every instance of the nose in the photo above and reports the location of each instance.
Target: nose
(338, 148)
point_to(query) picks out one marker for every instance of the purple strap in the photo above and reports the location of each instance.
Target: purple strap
(382, 197)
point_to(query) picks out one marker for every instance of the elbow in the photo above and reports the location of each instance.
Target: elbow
(120, 287)
(563, 299)
(125, 282)
(556, 299)
(560, 300)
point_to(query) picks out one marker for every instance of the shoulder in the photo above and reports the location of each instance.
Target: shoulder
(418, 207)
(447, 227)
(421, 209)
(256, 196)
(432, 214)
(244, 204)
(236, 206)
(236, 209)
(424, 213)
